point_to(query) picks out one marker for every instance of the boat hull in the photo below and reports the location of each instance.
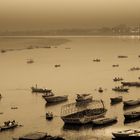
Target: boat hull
(84, 119)
(56, 99)
(104, 121)
(3, 128)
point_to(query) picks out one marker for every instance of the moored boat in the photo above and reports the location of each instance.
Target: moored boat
(57, 65)
(8, 125)
(120, 89)
(72, 114)
(136, 84)
(125, 133)
(130, 103)
(116, 99)
(56, 99)
(30, 61)
(40, 90)
(96, 60)
(84, 98)
(132, 115)
(122, 56)
(104, 121)
(49, 115)
(100, 89)
(117, 79)
(115, 65)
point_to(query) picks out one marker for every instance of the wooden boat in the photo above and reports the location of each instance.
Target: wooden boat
(48, 94)
(134, 68)
(100, 89)
(96, 60)
(136, 84)
(122, 56)
(116, 99)
(115, 65)
(72, 114)
(30, 61)
(57, 65)
(14, 107)
(55, 99)
(125, 133)
(132, 115)
(120, 89)
(0, 96)
(49, 115)
(103, 121)
(84, 98)
(131, 103)
(117, 79)
(40, 90)
(8, 125)
(3, 51)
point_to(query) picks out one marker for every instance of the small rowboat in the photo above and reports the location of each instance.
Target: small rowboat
(6, 127)
(49, 116)
(104, 121)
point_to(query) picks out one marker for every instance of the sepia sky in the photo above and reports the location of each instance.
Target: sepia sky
(40, 14)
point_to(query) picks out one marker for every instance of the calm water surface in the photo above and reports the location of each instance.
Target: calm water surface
(77, 74)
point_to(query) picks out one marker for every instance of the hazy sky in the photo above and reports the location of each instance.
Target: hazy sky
(28, 14)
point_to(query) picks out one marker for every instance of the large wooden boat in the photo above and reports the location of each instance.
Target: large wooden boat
(104, 121)
(55, 99)
(73, 114)
(130, 103)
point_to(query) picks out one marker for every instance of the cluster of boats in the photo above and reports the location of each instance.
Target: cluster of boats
(86, 110)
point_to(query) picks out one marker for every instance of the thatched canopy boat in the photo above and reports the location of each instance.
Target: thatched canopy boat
(84, 113)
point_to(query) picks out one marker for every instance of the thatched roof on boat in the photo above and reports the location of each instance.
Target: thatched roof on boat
(78, 107)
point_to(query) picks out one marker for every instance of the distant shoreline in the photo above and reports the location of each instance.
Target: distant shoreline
(67, 36)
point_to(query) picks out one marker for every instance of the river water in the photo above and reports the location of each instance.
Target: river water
(77, 74)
